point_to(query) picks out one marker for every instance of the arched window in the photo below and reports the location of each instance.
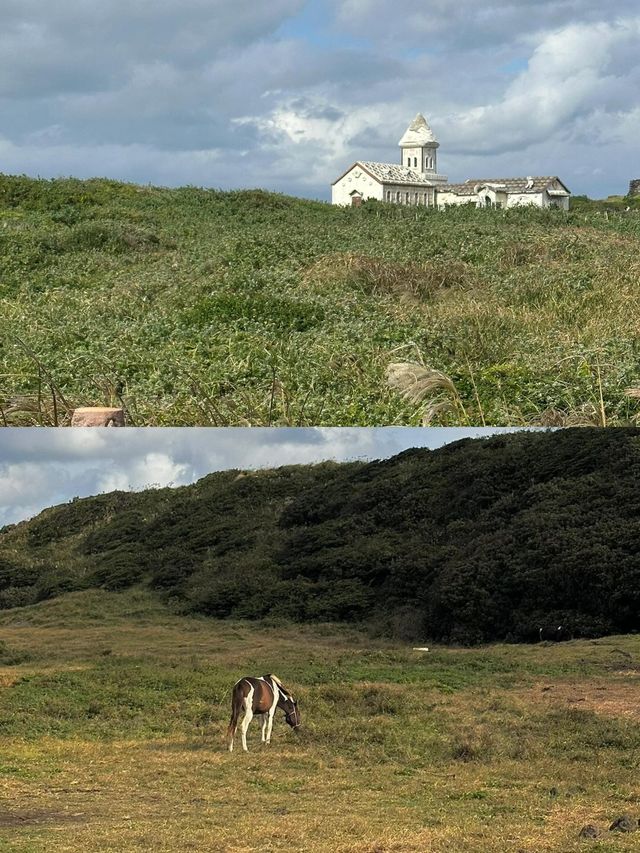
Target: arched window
(398, 196)
(415, 161)
(406, 198)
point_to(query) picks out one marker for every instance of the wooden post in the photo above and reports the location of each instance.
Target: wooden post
(97, 416)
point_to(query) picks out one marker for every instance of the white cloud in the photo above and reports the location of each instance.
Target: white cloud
(570, 77)
(153, 470)
(309, 140)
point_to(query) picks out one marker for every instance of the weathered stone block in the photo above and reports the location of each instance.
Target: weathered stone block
(97, 416)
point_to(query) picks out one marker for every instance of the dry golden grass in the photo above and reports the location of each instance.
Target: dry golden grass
(113, 739)
(384, 277)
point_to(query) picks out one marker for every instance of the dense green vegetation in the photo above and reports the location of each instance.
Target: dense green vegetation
(201, 307)
(477, 541)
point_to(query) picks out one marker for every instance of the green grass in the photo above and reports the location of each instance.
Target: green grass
(202, 307)
(113, 711)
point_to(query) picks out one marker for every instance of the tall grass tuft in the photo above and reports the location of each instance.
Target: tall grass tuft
(433, 389)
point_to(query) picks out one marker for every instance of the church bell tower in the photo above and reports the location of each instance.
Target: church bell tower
(419, 147)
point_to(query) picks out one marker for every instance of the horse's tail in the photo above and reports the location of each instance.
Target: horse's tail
(236, 707)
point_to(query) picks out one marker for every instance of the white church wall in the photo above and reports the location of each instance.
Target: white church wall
(419, 196)
(444, 198)
(364, 185)
(525, 199)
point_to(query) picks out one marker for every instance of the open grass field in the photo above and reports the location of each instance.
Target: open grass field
(112, 718)
(200, 307)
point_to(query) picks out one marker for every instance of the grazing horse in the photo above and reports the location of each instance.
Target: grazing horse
(260, 696)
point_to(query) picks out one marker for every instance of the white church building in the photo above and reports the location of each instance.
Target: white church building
(416, 181)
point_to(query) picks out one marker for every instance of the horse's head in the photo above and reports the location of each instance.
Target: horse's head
(291, 712)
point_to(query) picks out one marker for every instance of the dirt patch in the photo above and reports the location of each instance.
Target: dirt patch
(608, 699)
(38, 816)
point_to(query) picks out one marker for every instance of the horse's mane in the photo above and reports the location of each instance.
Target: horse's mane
(283, 689)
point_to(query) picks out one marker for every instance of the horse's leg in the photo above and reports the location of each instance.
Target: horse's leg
(272, 713)
(273, 708)
(248, 716)
(265, 720)
(236, 707)
(245, 725)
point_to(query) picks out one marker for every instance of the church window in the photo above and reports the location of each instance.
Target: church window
(406, 198)
(398, 196)
(415, 161)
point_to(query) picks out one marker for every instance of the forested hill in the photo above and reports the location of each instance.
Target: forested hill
(479, 540)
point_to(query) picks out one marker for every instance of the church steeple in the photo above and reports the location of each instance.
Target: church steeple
(419, 146)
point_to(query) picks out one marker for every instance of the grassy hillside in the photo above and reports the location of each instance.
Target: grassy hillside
(477, 541)
(202, 307)
(112, 717)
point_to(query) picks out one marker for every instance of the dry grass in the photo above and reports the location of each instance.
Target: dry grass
(113, 739)
(617, 698)
(435, 392)
(383, 277)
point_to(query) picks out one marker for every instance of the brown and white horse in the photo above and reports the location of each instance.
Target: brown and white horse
(262, 696)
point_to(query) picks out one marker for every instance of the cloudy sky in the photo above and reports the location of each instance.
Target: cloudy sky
(44, 467)
(284, 94)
